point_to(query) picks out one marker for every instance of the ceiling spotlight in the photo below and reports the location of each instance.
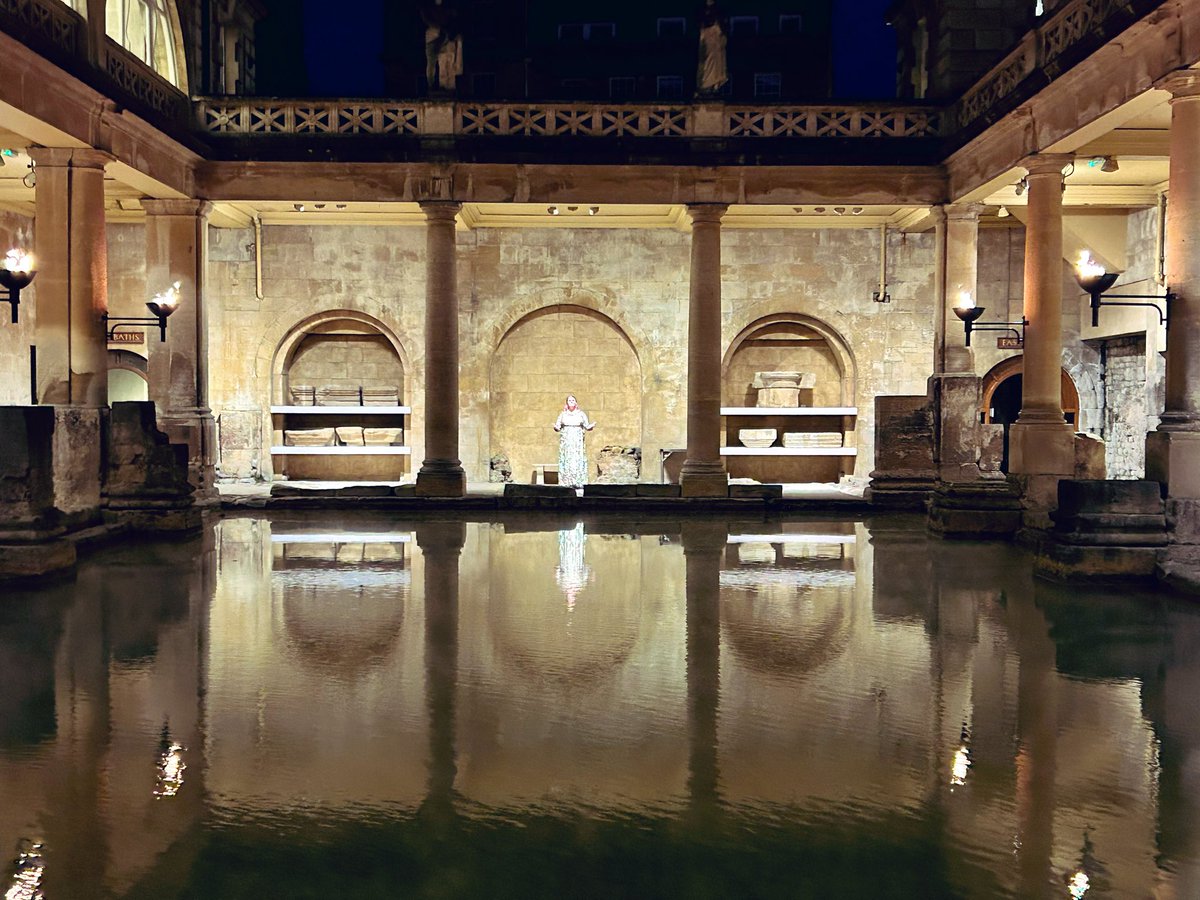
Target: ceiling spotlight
(798, 209)
(319, 205)
(340, 205)
(1110, 164)
(572, 209)
(1003, 212)
(856, 211)
(592, 210)
(818, 209)
(1019, 187)
(298, 207)
(839, 210)
(553, 210)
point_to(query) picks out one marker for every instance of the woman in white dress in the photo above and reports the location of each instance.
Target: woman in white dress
(572, 422)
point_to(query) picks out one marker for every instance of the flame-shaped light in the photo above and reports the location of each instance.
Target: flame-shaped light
(965, 300)
(18, 260)
(1088, 267)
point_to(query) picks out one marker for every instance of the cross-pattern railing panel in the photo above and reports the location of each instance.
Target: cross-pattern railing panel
(301, 117)
(141, 81)
(572, 119)
(51, 20)
(832, 122)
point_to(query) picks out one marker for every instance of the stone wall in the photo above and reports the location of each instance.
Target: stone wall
(635, 279)
(1125, 406)
(15, 340)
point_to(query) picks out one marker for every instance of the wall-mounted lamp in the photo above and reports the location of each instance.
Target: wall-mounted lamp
(1095, 282)
(553, 210)
(966, 310)
(162, 305)
(1003, 213)
(16, 272)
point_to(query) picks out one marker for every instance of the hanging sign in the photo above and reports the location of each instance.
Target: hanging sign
(1009, 343)
(128, 337)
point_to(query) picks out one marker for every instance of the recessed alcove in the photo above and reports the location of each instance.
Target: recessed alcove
(338, 375)
(790, 343)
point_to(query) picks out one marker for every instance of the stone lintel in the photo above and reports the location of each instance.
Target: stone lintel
(74, 157)
(177, 207)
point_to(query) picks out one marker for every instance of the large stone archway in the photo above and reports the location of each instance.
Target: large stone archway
(547, 354)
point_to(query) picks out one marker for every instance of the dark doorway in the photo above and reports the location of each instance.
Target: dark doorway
(1004, 409)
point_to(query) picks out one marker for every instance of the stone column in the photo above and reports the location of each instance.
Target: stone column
(441, 473)
(1173, 450)
(703, 473)
(961, 274)
(1041, 443)
(72, 285)
(176, 251)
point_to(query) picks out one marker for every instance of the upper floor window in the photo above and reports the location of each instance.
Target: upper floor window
(768, 84)
(789, 24)
(670, 87)
(743, 26)
(673, 26)
(622, 87)
(587, 31)
(145, 28)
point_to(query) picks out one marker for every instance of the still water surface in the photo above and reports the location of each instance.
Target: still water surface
(345, 707)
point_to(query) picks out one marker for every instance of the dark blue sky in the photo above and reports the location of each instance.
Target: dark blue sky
(343, 47)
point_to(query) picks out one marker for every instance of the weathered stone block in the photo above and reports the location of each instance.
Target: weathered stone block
(610, 490)
(975, 510)
(619, 465)
(26, 471)
(77, 465)
(36, 560)
(146, 482)
(499, 469)
(904, 475)
(756, 491)
(658, 490)
(521, 491)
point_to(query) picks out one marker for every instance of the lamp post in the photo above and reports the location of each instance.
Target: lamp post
(969, 313)
(162, 305)
(1095, 282)
(16, 272)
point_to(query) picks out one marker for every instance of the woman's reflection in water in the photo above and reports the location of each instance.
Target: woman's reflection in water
(572, 574)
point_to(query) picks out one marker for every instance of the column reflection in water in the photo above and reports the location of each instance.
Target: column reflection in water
(112, 657)
(703, 543)
(441, 544)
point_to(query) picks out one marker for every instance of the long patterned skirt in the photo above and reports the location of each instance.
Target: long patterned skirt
(572, 461)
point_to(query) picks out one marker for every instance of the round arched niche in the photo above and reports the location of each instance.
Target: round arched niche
(555, 351)
(1013, 366)
(340, 349)
(790, 342)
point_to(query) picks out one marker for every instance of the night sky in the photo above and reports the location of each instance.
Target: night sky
(343, 48)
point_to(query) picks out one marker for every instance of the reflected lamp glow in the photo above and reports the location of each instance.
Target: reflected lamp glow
(16, 273)
(1095, 281)
(27, 879)
(961, 764)
(170, 766)
(1078, 885)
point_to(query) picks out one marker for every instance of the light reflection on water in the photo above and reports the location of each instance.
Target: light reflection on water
(365, 708)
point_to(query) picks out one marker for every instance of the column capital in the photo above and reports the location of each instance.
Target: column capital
(440, 210)
(706, 213)
(1184, 84)
(937, 212)
(176, 207)
(964, 211)
(1046, 163)
(76, 157)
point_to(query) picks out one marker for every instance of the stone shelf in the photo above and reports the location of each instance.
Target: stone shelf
(341, 451)
(344, 410)
(789, 451)
(789, 410)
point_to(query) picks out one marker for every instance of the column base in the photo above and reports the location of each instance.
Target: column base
(703, 479)
(1173, 460)
(900, 490)
(1041, 455)
(197, 429)
(1179, 565)
(441, 478)
(35, 561)
(1104, 531)
(975, 510)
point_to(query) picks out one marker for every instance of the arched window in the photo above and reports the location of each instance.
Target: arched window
(146, 29)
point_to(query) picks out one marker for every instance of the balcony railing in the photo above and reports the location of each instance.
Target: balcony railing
(225, 117)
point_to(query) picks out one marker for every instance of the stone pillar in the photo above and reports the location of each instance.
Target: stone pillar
(703, 473)
(441, 473)
(1042, 444)
(1173, 450)
(441, 545)
(72, 285)
(176, 251)
(970, 498)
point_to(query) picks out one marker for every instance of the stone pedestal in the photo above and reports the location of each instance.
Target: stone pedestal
(983, 508)
(31, 544)
(77, 465)
(904, 475)
(1179, 565)
(1103, 530)
(147, 486)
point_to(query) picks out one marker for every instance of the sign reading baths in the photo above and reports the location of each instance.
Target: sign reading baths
(127, 337)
